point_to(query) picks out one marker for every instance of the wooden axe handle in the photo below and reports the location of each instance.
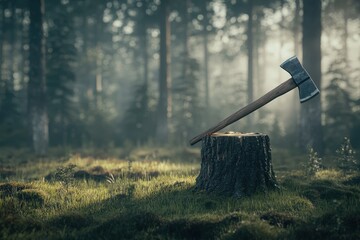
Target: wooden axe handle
(268, 97)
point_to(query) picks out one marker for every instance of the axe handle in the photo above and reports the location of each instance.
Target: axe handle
(268, 97)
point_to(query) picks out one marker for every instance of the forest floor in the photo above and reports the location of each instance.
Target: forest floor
(148, 193)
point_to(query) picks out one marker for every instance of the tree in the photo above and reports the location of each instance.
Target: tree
(164, 103)
(2, 30)
(138, 121)
(339, 117)
(37, 85)
(310, 119)
(61, 57)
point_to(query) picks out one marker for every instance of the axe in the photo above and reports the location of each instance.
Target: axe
(300, 78)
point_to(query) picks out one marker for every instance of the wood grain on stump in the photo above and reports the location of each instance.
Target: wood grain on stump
(236, 164)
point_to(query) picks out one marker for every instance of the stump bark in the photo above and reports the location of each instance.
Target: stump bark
(236, 164)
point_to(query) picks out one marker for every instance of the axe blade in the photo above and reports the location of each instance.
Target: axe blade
(307, 87)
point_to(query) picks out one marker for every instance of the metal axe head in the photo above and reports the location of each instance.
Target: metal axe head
(307, 87)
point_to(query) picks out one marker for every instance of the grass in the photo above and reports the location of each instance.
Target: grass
(149, 193)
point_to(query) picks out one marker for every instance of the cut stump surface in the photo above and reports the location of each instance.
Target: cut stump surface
(236, 164)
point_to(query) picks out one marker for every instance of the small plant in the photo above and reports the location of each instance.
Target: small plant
(314, 162)
(110, 179)
(65, 175)
(130, 163)
(346, 156)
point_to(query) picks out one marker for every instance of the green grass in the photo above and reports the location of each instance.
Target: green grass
(149, 193)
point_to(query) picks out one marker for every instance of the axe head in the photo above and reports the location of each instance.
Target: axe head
(307, 87)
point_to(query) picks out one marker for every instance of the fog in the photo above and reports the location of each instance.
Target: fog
(160, 72)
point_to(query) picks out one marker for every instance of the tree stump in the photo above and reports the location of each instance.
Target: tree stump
(236, 164)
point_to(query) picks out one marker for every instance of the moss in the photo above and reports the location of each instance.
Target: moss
(185, 229)
(125, 226)
(71, 220)
(87, 175)
(278, 219)
(293, 181)
(6, 173)
(330, 190)
(11, 188)
(331, 225)
(210, 205)
(311, 194)
(354, 181)
(329, 174)
(207, 228)
(254, 231)
(97, 170)
(12, 220)
(32, 196)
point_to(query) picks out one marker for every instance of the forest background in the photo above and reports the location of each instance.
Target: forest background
(120, 73)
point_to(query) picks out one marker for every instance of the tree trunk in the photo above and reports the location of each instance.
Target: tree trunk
(206, 55)
(346, 32)
(297, 27)
(99, 58)
(236, 164)
(186, 41)
(164, 104)
(2, 29)
(294, 115)
(250, 91)
(310, 119)
(281, 30)
(37, 85)
(144, 45)
(12, 42)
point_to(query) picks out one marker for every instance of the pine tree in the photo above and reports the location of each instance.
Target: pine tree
(37, 84)
(60, 74)
(139, 121)
(339, 116)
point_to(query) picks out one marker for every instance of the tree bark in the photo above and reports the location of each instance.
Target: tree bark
(37, 86)
(310, 118)
(165, 100)
(236, 164)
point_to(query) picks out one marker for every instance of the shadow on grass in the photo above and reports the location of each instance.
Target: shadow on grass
(175, 211)
(160, 216)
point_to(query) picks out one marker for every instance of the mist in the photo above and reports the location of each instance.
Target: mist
(150, 73)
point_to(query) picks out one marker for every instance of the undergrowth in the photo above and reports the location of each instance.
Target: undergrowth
(151, 196)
